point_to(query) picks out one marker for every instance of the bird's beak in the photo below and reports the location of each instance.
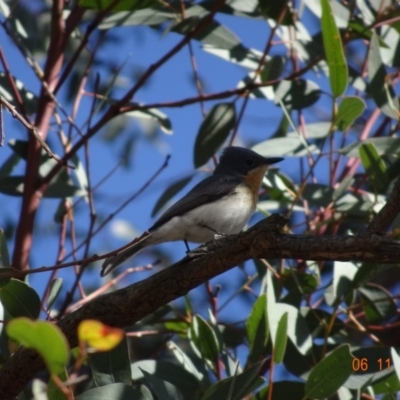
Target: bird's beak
(273, 160)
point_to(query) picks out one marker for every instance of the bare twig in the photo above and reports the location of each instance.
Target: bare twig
(32, 130)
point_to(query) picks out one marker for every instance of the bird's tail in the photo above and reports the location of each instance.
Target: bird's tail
(112, 262)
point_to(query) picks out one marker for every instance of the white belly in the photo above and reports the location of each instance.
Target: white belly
(228, 216)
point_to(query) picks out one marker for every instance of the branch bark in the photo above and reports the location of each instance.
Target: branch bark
(264, 240)
(32, 196)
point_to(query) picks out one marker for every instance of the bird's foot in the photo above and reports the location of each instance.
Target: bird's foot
(218, 234)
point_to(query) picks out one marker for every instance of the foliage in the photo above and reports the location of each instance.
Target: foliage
(299, 329)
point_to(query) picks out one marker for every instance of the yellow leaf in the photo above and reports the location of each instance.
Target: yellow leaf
(99, 336)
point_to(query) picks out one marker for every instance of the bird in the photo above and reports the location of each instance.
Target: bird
(221, 204)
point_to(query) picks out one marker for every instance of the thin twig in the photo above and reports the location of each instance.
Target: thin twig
(32, 130)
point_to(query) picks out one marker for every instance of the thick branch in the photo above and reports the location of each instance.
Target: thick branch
(264, 240)
(32, 197)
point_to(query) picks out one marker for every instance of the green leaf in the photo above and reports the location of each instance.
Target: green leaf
(238, 386)
(121, 5)
(284, 146)
(43, 336)
(261, 92)
(213, 131)
(384, 145)
(54, 291)
(389, 384)
(273, 9)
(80, 173)
(176, 375)
(6, 270)
(257, 329)
(304, 282)
(163, 390)
(154, 115)
(297, 330)
(317, 130)
(272, 69)
(343, 275)
(146, 16)
(19, 147)
(281, 338)
(365, 273)
(378, 304)
(350, 108)
(29, 100)
(374, 166)
(54, 391)
(318, 194)
(118, 391)
(238, 55)
(14, 186)
(344, 185)
(318, 320)
(185, 361)
(213, 34)
(20, 300)
(9, 165)
(249, 8)
(282, 390)
(111, 366)
(203, 339)
(4, 9)
(297, 94)
(381, 91)
(4, 256)
(396, 362)
(169, 193)
(330, 373)
(333, 51)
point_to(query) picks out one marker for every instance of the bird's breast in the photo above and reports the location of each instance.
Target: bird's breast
(227, 215)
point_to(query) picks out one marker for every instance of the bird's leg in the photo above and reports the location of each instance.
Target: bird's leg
(187, 246)
(218, 235)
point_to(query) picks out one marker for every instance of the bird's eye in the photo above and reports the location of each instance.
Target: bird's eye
(250, 163)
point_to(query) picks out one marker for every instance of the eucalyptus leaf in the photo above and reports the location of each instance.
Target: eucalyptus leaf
(20, 300)
(29, 99)
(380, 89)
(243, 384)
(333, 51)
(297, 94)
(330, 373)
(118, 391)
(154, 115)
(111, 366)
(146, 16)
(213, 131)
(54, 291)
(374, 166)
(350, 108)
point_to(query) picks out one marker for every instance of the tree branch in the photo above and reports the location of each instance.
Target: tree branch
(32, 196)
(264, 240)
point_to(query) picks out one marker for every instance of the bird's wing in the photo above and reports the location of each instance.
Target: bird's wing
(210, 189)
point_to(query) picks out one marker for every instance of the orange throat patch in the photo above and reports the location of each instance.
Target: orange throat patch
(254, 180)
